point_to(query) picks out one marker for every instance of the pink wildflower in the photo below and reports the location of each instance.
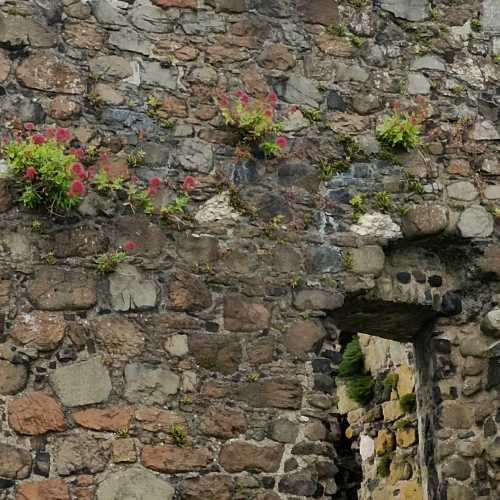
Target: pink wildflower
(223, 101)
(134, 179)
(29, 126)
(243, 97)
(30, 173)
(281, 141)
(154, 182)
(62, 134)
(152, 191)
(413, 119)
(103, 156)
(77, 188)
(189, 183)
(272, 98)
(78, 170)
(129, 246)
(268, 113)
(38, 138)
(78, 152)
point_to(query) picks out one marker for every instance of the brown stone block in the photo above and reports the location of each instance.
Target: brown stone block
(171, 459)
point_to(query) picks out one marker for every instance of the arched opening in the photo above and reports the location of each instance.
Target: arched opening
(386, 447)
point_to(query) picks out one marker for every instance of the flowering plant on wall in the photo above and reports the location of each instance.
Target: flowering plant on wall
(255, 122)
(403, 129)
(46, 172)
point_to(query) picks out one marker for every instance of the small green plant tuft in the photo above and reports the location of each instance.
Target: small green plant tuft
(36, 226)
(328, 168)
(294, 280)
(179, 435)
(255, 122)
(403, 130)
(136, 158)
(391, 381)
(360, 4)
(51, 258)
(357, 202)
(176, 207)
(360, 388)
(414, 185)
(352, 359)
(383, 201)
(252, 378)
(186, 400)
(408, 403)
(337, 29)
(122, 432)
(457, 90)
(402, 424)
(476, 25)
(347, 260)
(357, 41)
(436, 14)
(108, 262)
(384, 465)
(312, 115)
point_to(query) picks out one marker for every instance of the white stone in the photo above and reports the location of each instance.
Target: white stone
(491, 20)
(418, 84)
(216, 209)
(465, 191)
(129, 290)
(135, 483)
(496, 45)
(377, 225)
(366, 447)
(344, 404)
(368, 260)
(189, 381)
(177, 345)
(295, 121)
(81, 383)
(492, 192)
(484, 131)
(475, 222)
(4, 168)
(428, 62)
(412, 10)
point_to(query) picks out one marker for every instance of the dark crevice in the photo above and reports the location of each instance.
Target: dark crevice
(350, 473)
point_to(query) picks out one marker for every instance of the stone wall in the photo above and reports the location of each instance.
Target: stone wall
(205, 365)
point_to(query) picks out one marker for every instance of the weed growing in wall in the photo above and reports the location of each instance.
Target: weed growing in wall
(408, 403)
(255, 122)
(47, 175)
(359, 386)
(108, 262)
(403, 129)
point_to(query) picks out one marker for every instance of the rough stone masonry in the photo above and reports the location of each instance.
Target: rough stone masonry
(205, 367)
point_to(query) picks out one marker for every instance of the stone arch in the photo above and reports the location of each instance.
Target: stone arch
(428, 305)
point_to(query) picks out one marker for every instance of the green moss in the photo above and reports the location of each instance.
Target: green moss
(360, 388)
(352, 359)
(384, 465)
(383, 201)
(408, 403)
(179, 435)
(403, 423)
(391, 380)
